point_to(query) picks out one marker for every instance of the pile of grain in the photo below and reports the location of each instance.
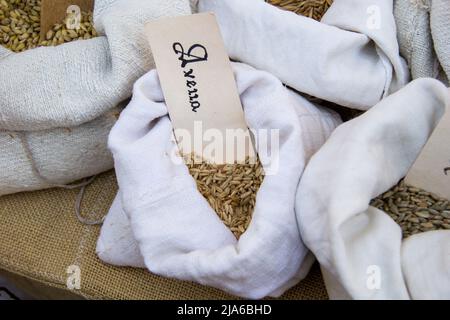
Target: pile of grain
(314, 9)
(20, 27)
(415, 210)
(230, 190)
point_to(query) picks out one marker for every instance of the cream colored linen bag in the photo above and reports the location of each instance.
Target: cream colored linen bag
(58, 104)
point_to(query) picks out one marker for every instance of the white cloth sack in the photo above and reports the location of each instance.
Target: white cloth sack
(423, 33)
(360, 248)
(350, 58)
(47, 158)
(177, 233)
(76, 86)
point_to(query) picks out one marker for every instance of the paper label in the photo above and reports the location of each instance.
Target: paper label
(431, 171)
(55, 11)
(199, 87)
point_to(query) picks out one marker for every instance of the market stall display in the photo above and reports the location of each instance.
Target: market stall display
(332, 76)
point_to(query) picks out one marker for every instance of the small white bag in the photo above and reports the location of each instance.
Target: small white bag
(350, 58)
(177, 233)
(360, 248)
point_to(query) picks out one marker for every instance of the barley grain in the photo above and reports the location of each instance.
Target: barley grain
(314, 9)
(229, 189)
(20, 27)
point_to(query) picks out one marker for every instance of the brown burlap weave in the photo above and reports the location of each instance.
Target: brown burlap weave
(40, 237)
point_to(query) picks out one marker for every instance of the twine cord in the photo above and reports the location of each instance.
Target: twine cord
(86, 182)
(78, 203)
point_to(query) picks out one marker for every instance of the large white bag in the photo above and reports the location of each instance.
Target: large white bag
(62, 100)
(350, 58)
(423, 35)
(177, 233)
(360, 248)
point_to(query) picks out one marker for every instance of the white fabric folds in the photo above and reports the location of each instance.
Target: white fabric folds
(177, 233)
(63, 99)
(360, 248)
(350, 58)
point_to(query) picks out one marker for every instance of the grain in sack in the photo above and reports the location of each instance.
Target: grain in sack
(20, 26)
(309, 8)
(160, 219)
(360, 247)
(230, 189)
(60, 97)
(414, 209)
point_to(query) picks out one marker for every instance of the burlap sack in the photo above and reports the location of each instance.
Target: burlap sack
(423, 28)
(41, 237)
(57, 104)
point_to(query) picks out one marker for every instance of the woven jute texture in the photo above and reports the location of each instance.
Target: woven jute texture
(40, 237)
